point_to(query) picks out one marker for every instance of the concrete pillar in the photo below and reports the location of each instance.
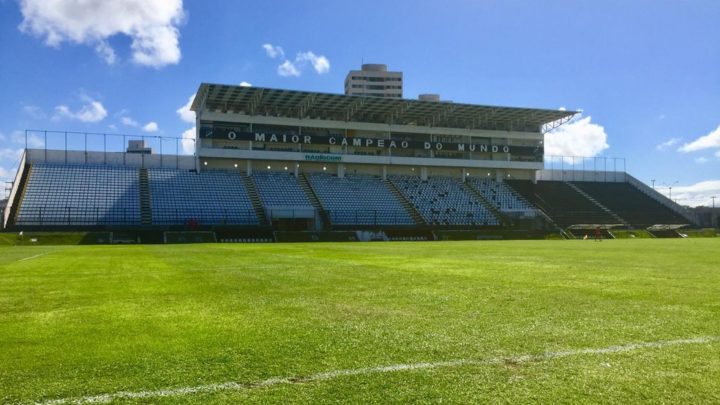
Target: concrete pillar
(384, 172)
(297, 169)
(463, 174)
(423, 173)
(340, 170)
(248, 167)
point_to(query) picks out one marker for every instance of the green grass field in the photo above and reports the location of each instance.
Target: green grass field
(457, 322)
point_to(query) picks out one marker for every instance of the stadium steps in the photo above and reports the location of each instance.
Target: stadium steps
(490, 207)
(314, 200)
(638, 208)
(596, 202)
(525, 190)
(255, 199)
(15, 208)
(145, 202)
(561, 202)
(414, 214)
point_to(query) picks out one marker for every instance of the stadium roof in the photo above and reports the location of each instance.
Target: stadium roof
(339, 107)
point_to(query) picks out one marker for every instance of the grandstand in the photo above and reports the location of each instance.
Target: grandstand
(269, 160)
(209, 198)
(80, 195)
(443, 201)
(358, 200)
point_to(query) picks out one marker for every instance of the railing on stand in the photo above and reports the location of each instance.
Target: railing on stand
(101, 148)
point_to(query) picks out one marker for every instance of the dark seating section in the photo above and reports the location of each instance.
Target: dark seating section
(210, 198)
(80, 195)
(358, 200)
(562, 203)
(631, 204)
(443, 201)
(502, 196)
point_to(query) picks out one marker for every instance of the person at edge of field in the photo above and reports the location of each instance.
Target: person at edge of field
(598, 234)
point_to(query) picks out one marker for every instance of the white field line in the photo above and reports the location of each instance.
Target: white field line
(33, 257)
(330, 375)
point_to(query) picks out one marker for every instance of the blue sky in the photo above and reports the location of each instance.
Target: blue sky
(646, 74)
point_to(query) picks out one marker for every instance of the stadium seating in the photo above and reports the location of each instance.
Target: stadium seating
(631, 204)
(500, 195)
(562, 203)
(443, 201)
(80, 195)
(210, 198)
(358, 200)
(280, 189)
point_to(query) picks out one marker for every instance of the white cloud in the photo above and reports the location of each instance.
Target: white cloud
(10, 154)
(670, 142)
(701, 160)
(34, 112)
(711, 140)
(273, 51)
(150, 24)
(92, 111)
(188, 144)
(295, 67)
(245, 84)
(106, 52)
(694, 195)
(320, 63)
(151, 126)
(129, 121)
(562, 109)
(578, 138)
(7, 175)
(287, 68)
(33, 140)
(185, 113)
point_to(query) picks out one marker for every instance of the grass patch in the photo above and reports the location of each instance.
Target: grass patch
(87, 320)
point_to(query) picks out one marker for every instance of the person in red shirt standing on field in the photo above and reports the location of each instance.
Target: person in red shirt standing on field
(598, 234)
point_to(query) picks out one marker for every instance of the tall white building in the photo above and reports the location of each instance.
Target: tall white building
(374, 80)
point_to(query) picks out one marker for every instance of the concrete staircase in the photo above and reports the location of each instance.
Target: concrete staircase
(314, 200)
(597, 203)
(15, 208)
(487, 204)
(145, 198)
(255, 199)
(414, 213)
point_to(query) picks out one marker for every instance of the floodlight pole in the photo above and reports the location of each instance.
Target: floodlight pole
(713, 201)
(670, 186)
(653, 183)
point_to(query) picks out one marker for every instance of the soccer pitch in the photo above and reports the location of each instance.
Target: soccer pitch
(461, 322)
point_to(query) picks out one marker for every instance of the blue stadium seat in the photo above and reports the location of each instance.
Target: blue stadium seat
(502, 196)
(80, 195)
(443, 201)
(280, 189)
(358, 200)
(211, 198)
